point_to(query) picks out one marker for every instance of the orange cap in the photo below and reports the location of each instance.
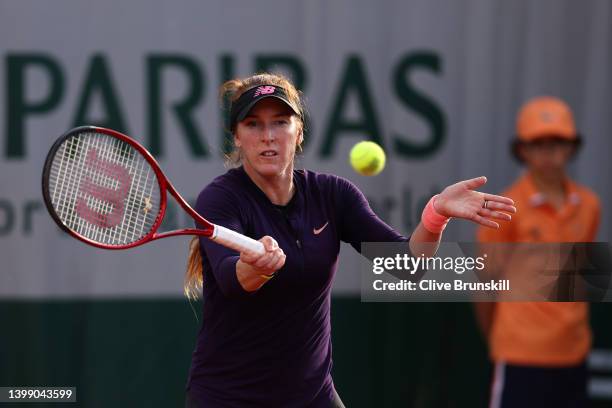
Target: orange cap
(545, 116)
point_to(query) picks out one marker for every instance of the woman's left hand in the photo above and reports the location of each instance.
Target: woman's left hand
(460, 200)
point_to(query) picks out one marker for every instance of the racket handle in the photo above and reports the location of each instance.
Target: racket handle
(236, 241)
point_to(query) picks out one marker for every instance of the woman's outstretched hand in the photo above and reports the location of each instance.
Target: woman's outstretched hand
(461, 200)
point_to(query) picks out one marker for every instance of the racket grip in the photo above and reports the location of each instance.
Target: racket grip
(236, 241)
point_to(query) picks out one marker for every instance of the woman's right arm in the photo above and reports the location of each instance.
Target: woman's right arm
(236, 274)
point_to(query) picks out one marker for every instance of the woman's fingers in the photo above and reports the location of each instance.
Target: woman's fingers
(486, 212)
(484, 221)
(270, 256)
(267, 263)
(276, 262)
(499, 206)
(269, 243)
(280, 263)
(499, 199)
(474, 183)
(273, 257)
(264, 259)
(250, 257)
(269, 260)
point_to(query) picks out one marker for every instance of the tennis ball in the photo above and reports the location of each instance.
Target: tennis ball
(367, 158)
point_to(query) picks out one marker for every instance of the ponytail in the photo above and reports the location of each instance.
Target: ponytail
(194, 277)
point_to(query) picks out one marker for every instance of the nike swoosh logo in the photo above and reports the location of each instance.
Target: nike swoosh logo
(318, 231)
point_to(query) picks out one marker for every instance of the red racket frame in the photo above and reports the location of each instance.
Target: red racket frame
(164, 187)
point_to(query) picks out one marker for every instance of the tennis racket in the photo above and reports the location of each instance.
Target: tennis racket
(105, 189)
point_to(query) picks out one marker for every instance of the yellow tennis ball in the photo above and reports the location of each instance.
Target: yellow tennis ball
(367, 158)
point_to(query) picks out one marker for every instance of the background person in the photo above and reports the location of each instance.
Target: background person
(539, 349)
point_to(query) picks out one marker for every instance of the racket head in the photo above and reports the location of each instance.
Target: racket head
(104, 188)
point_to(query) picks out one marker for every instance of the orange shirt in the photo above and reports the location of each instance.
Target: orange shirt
(543, 333)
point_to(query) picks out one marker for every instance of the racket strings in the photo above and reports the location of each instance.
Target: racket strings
(139, 221)
(104, 189)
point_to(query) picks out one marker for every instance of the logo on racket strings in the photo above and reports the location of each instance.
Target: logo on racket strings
(106, 208)
(264, 90)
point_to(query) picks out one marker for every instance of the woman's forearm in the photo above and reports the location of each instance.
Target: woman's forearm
(248, 277)
(424, 242)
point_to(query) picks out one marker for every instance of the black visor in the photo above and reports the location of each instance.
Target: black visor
(242, 106)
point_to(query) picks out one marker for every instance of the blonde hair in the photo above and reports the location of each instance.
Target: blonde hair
(230, 91)
(194, 276)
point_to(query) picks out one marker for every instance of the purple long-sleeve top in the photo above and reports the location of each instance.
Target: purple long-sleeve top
(272, 347)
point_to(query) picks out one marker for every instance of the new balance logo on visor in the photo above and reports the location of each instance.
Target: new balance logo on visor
(264, 90)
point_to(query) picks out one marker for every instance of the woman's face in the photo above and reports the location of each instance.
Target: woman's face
(267, 138)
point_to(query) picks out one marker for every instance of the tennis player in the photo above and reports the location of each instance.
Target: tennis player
(539, 349)
(265, 339)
